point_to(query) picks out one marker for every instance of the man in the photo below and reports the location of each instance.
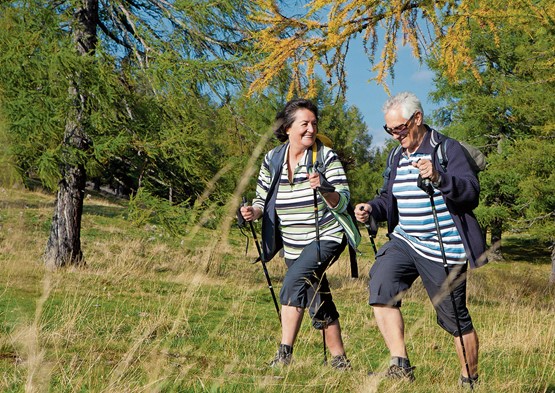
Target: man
(414, 248)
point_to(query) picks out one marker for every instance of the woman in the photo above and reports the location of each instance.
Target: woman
(287, 208)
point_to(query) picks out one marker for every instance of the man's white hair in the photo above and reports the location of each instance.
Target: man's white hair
(407, 102)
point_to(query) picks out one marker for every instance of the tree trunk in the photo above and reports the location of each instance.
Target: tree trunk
(496, 232)
(552, 277)
(64, 243)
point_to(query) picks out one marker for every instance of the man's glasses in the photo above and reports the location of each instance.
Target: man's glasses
(401, 128)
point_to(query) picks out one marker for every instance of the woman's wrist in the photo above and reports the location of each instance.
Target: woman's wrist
(257, 212)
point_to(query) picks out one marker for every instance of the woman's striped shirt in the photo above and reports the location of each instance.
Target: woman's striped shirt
(295, 202)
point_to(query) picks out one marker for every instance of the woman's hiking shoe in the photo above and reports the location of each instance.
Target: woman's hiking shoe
(340, 362)
(283, 356)
(468, 382)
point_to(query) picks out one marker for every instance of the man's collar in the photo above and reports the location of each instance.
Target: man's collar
(425, 146)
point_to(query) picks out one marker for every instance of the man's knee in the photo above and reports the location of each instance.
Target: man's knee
(453, 315)
(452, 327)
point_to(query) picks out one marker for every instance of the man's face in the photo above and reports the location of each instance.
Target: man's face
(405, 130)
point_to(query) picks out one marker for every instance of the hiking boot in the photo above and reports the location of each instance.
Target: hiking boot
(283, 356)
(399, 368)
(396, 372)
(340, 362)
(468, 382)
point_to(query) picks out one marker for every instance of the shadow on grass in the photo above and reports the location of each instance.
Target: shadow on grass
(526, 249)
(548, 389)
(105, 211)
(88, 208)
(26, 204)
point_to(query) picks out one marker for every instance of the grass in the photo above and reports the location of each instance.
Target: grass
(155, 313)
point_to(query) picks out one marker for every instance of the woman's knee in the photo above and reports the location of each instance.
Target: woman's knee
(293, 293)
(324, 317)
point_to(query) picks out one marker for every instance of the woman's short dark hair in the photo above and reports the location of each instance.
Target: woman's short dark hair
(286, 117)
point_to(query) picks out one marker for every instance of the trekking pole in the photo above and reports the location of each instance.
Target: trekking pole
(426, 186)
(241, 219)
(319, 256)
(372, 229)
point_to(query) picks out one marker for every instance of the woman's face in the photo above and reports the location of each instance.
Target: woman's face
(302, 133)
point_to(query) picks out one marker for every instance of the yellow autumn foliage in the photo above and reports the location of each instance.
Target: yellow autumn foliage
(317, 35)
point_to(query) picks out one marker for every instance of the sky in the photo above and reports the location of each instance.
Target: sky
(369, 97)
(410, 75)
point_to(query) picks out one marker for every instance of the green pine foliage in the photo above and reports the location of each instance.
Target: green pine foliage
(346, 128)
(535, 199)
(152, 88)
(146, 209)
(509, 112)
(34, 91)
(8, 173)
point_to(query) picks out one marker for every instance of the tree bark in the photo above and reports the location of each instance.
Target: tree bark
(552, 277)
(496, 232)
(64, 243)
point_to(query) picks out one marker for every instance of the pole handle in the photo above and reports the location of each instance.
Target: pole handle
(425, 185)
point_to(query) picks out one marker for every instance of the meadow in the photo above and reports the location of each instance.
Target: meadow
(151, 312)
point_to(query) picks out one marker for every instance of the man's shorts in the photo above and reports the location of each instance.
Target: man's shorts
(398, 265)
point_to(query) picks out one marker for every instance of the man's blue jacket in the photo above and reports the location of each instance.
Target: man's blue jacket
(459, 187)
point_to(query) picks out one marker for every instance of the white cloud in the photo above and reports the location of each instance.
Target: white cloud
(422, 76)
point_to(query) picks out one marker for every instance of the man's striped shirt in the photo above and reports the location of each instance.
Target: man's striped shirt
(416, 221)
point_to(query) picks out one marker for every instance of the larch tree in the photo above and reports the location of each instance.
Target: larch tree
(317, 33)
(64, 243)
(108, 55)
(510, 112)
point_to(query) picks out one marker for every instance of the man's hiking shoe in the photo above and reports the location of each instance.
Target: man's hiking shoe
(397, 372)
(468, 382)
(340, 362)
(283, 356)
